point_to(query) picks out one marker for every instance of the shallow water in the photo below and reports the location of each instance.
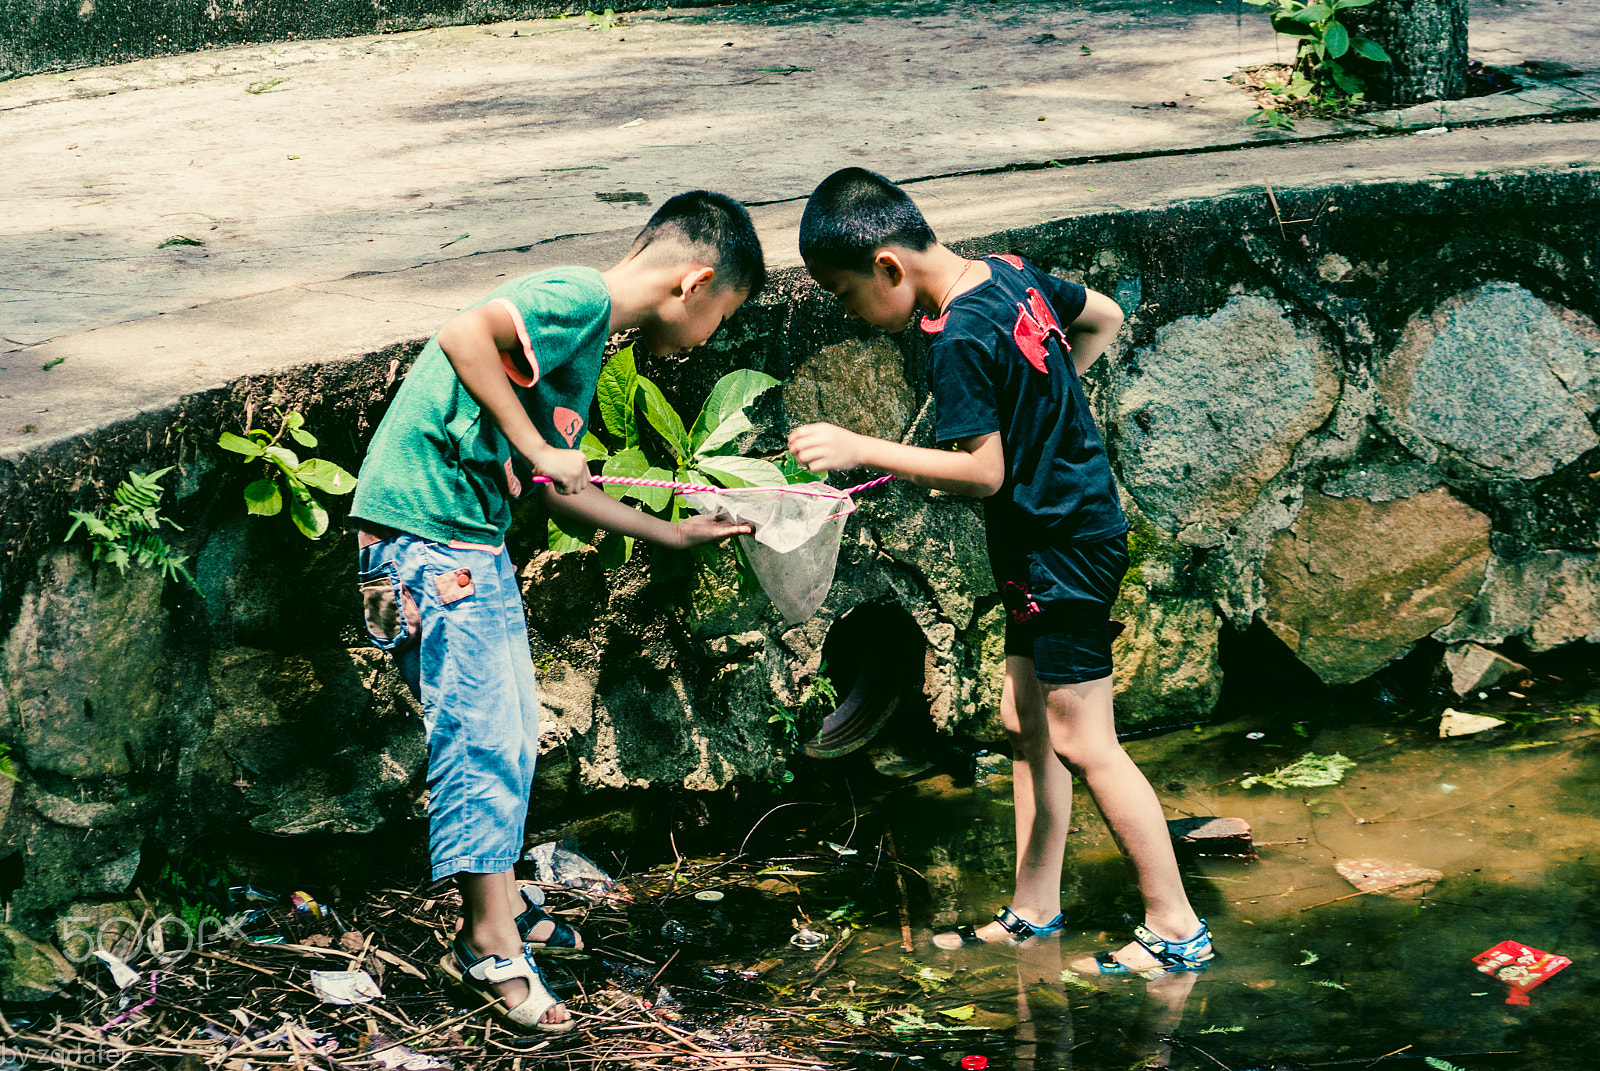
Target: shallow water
(1307, 972)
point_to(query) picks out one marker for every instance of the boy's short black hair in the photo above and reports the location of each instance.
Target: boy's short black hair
(711, 228)
(852, 214)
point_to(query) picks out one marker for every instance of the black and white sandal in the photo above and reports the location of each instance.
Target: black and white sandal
(478, 974)
(564, 939)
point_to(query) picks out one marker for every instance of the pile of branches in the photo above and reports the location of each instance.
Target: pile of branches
(248, 1003)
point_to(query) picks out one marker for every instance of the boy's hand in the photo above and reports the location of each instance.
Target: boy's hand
(825, 447)
(706, 528)
(568, 469)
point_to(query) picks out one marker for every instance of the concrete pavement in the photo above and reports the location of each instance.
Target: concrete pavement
(303, 168)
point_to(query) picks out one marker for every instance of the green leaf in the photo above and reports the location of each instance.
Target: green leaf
(283, 457)
(615, 550)
(732, 393)
(1313, 13)
(961, 1014)
(615, 389)
(655, 499)
(325, 476)
(263, 499)
(593, 448)
(662, 417)
(1290, 28)
(567, 535)
(721, 437)
(239, 445)
(1342, 80)
(630, 462)
(303, 437)
(308, 515)
(1367, 48)
(743, 472)
(1342, 4)
(794, 472)
(1337, 39)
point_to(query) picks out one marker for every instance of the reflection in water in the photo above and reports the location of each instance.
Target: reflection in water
(1045, 1036)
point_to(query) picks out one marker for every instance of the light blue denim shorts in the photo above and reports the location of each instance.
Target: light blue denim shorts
(453, 619)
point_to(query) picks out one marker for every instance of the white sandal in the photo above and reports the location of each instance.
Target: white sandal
(480, 973)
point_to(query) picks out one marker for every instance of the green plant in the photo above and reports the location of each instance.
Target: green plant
(130, 529)
(606, 20)
(264, 497)
(8, 762)
(1324, 42)
(1312, 771)
(817, 699)
(648, 440)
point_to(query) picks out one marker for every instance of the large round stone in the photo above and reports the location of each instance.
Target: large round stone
(1214, 408)
(1501, 378)
(1352, 584)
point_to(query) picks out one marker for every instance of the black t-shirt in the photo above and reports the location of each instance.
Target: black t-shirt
(1000, 363)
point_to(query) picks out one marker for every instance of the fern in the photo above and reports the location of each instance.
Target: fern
(129, 529)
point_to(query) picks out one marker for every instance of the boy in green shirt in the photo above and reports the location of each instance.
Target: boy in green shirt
(500, 395)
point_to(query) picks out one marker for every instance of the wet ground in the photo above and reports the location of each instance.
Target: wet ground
(1309, 973)
(693, 960)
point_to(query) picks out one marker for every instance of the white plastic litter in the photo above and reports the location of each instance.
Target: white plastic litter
(121, 973)
(345, 987)
(1456, 723)
(556, 864)
(794, 543)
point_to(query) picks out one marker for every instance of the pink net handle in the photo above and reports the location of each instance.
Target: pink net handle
(793, 489)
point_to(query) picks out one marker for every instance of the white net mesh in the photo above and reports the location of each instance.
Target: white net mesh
(794, 545)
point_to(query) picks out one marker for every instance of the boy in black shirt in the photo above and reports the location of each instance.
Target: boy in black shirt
(1009, 399)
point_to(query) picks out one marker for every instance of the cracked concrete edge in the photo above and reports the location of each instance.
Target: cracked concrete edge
(71, 386)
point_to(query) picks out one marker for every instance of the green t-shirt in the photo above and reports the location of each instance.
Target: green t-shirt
(437, 468)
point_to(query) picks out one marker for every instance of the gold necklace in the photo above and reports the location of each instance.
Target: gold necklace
(953, 285)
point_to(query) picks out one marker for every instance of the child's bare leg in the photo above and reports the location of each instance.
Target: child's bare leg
(1041, 789)
(1083, 734)
(490, 928)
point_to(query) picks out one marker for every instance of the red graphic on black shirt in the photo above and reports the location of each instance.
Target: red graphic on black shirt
(1011, 259)
(1019, 602)
(1035, 324)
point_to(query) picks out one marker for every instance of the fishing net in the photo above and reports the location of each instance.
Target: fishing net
(794, 543)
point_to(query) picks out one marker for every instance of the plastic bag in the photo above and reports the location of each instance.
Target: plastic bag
(556, 864)
(794, 545)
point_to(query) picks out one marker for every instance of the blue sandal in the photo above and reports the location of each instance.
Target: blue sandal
(1190, 954)
(1018, 927)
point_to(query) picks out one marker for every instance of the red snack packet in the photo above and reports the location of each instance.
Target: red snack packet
(1519, 967)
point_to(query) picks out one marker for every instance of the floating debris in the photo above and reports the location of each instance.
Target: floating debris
(1311, 771)
(1376, 875)
(1455, 723)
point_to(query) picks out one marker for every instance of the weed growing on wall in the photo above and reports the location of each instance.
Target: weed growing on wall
(649, 440)
(1319, 82)
(129, 529)
(287, 476)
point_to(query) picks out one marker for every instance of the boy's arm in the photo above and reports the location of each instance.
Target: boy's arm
(473, 342)
(977, 466)
(1093, 330)
(594, 507)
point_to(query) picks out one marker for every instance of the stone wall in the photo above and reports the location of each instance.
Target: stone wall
(1367, 430)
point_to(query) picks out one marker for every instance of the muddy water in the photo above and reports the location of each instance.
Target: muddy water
(1307, 972)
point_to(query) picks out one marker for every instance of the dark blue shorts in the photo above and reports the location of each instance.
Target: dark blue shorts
(1058, 606)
